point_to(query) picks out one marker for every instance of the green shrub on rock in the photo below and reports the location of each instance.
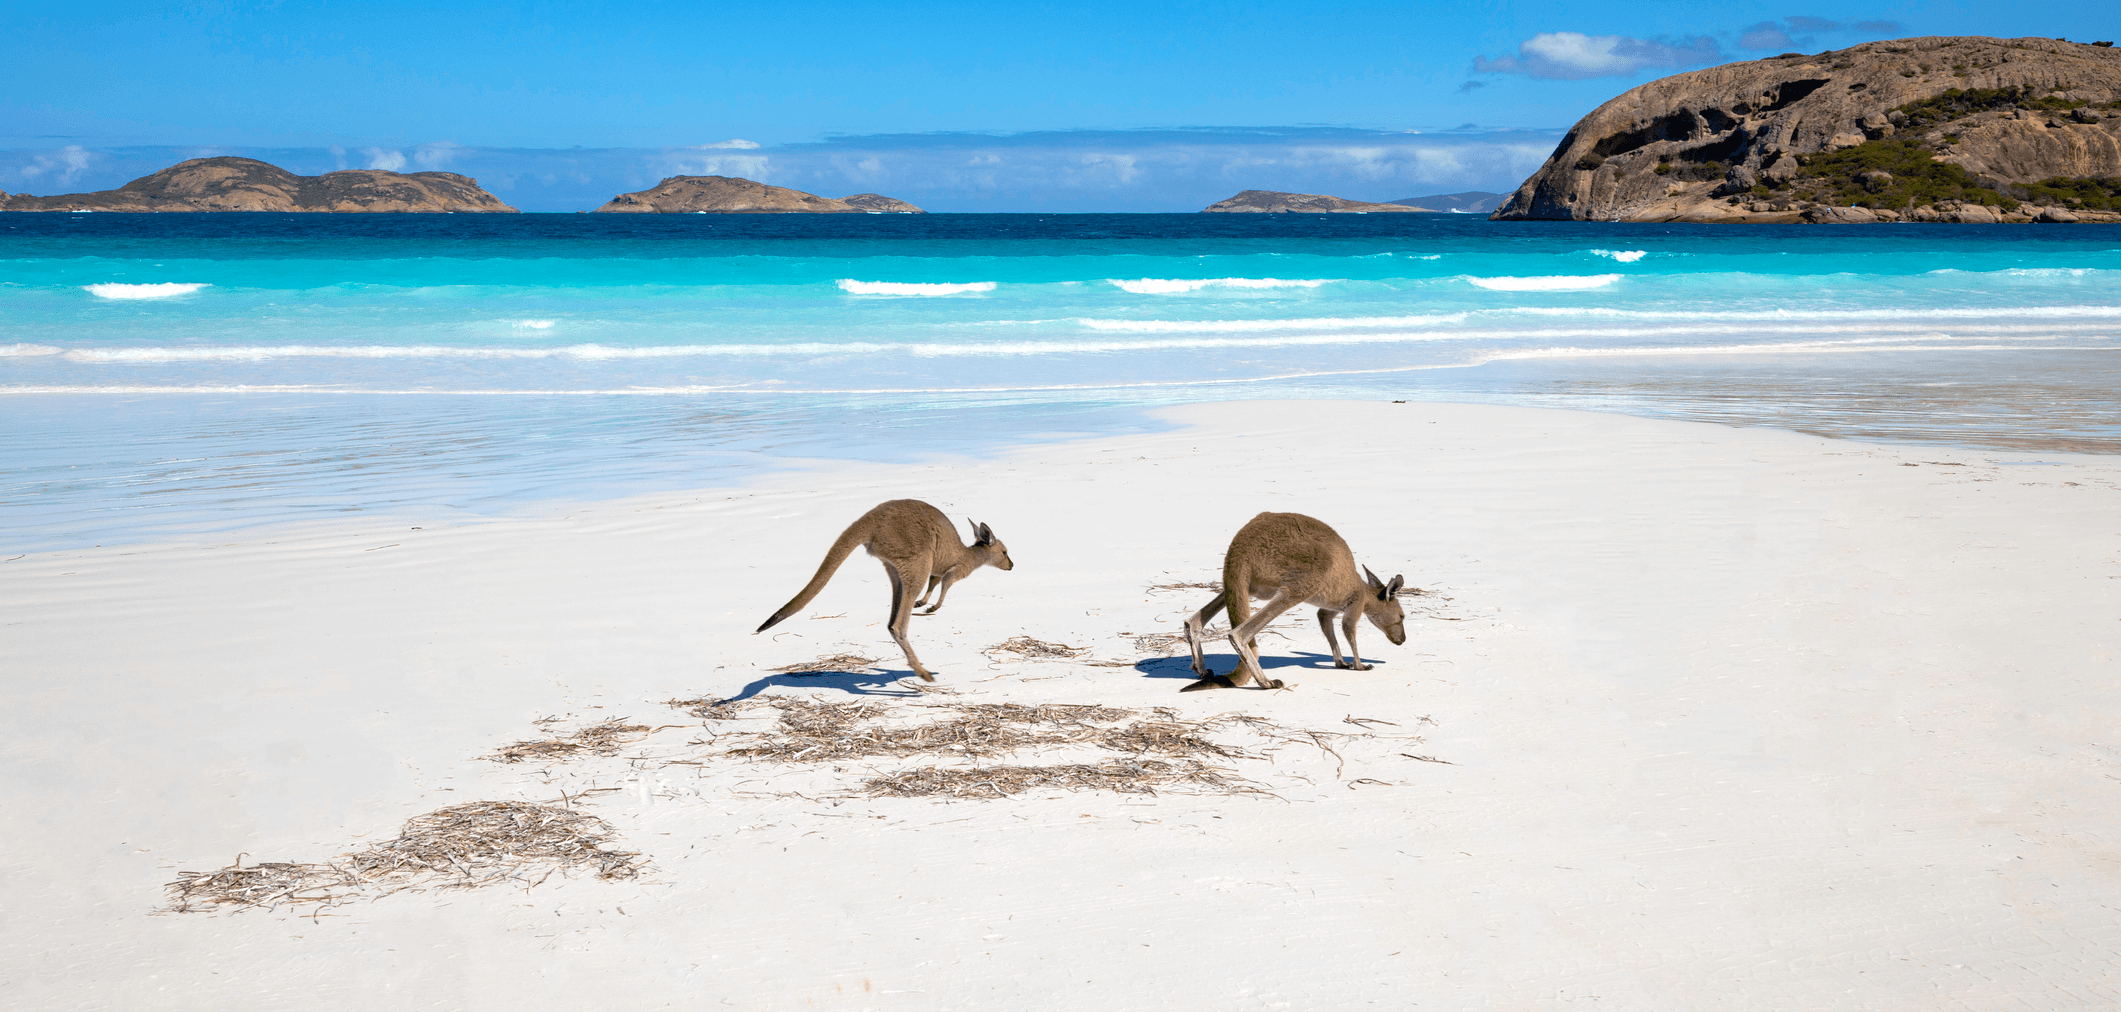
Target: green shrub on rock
(1901, 173)
(2092, 194)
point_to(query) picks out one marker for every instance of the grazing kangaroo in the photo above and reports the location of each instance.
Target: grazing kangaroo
(919, 549)
(1291, 559)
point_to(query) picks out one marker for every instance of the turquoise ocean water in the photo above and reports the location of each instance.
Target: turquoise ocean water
(179, 374)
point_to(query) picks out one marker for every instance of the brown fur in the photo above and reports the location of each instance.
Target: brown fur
(919, 548)
(1290, 559)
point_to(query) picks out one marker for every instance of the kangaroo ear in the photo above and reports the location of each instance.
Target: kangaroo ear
(986, 534)
(1392, 589)
(1375, 583)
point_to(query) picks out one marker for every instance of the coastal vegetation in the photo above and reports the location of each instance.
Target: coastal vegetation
(1888, 174)
(1958, 103)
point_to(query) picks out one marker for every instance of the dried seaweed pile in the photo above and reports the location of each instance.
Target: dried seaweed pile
(811, 732)
(1025, 646)
(463, 846)
(833, 662)
(605, 738)
(1142, 777)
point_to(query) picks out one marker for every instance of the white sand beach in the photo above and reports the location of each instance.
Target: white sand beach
(1719, 719)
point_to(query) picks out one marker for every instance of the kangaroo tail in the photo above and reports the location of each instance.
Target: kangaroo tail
(849, 540)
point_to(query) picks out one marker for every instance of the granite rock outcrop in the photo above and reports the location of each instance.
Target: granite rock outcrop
(877, 203)
(732, 195)
(1277, 202)
(1980, 121)
(247, 184)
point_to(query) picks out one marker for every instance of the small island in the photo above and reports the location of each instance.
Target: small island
(247, 184)
(1277, 202)
(733, 195)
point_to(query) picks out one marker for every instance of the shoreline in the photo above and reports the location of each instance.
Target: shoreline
(1711, 716)
(215, 464)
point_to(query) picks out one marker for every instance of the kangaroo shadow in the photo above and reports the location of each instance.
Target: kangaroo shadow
(1182, 665)
(854, 683)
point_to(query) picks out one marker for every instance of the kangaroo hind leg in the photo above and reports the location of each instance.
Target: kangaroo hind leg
(1242, 636)
(902, 582)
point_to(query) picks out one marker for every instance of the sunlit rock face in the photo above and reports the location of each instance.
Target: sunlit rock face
(246, 184)
(1276, 202)
(1695, 146)
(725, 195)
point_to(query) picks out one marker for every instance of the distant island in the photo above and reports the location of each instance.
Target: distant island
(1277, 202)
(731, 195)
(1467, 202)
(1946, 129)
(246, 184)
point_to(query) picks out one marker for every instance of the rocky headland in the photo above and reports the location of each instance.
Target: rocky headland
(877, 203)
(246, 184)
(1955, 129)
(1277, 202)
(1466, 202)
(731, 195)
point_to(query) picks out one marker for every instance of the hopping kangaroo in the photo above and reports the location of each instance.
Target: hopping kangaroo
(1291, 559)
(919, 549)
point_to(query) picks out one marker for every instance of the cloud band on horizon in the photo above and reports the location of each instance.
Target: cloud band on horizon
(1079, 170)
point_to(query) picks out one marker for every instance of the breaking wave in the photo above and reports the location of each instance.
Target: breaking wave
(853, 287)
(1556, 283)
(161, 290)
(1251, 326)
(1626, 256)
(1173, 286)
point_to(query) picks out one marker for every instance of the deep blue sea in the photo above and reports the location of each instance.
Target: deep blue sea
(178, 374)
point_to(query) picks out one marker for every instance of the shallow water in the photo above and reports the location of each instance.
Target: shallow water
(163, 374)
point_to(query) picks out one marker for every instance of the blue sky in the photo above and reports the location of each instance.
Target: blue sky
(996, 106)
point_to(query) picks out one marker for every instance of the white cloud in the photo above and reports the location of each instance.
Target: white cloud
(682, 162)
(387, 159)
(1574, 55)
(1124, 168)
(438, 154)
(1779, 34)
(733, 142)
(64, 164)
(1766, 35)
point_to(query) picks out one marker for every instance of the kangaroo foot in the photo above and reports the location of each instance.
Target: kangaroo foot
(1210, 682)
(1271, 683)
(1351, 667)
(925, 676)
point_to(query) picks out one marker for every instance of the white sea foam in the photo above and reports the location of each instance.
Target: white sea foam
(1556, 283)
(1173, 286)
(163, 290)
(1956, 313)
(534, 324)
(27, 350)
(1247, 326)
(1784, 348)
(1881, 334)
(853, 287)
(1626, 256)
